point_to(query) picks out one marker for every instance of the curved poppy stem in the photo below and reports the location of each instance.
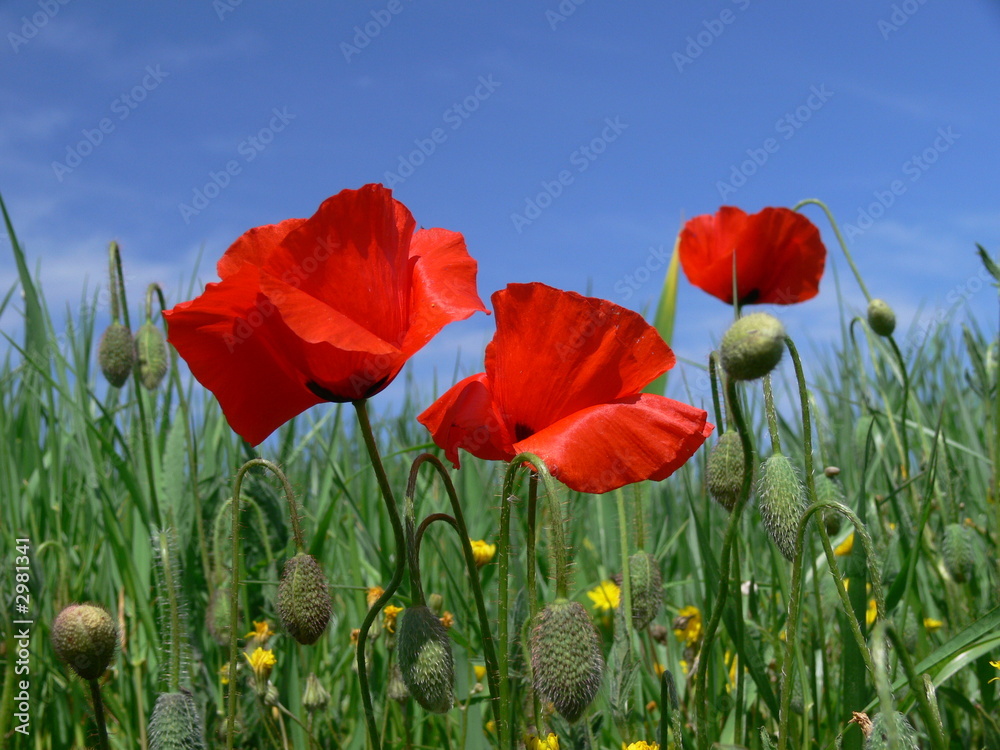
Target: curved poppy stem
(713, 377)
(724, 565)
(840, 240)
(361, 407)
(458, 521)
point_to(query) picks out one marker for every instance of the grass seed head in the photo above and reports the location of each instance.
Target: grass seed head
(304, 599)
(425, 659)
(566, 660)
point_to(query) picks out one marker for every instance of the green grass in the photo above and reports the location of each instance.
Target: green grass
(91, 480)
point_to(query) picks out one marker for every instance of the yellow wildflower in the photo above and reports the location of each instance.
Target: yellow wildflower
(845, 547)
(641, 745)
(355, 635)
(491, 726)
(872, 612)
(480, 671)
(996, 665)
(549, 743)
(389, 615)
(930, 624)
(224, 673)
(687, 626)
(260, 635)
(447, 619)
(605, 596)
(733, 661)
(651, 706)
(261, 662)
(685, 666)
(373, 594)
(659, 669)
(482, 551)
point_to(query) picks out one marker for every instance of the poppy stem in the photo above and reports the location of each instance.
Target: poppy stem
(413, 547)
(626, 573)
(713, 378)
(361, 407)
(840, 240)
(772, 415)
(102, 728)
(724, 565)
(532, 584)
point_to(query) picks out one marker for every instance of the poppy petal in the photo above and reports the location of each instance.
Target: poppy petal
(794, 265)
(607, 446)
(706, 250)
(556, 352)
(466, 417)
(254, 246)
(240, 353)
(444, 285)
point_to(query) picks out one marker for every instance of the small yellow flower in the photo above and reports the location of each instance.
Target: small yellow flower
(355, 635)
(491, 726)
(845, 547)
(389, 615)
(651, 706)
(259, 636)
(641, 745)
(261, 662)
(995, 665)
(549, 743)
(659, 669)
(685, 666)
(480, 671)
(224, 673)
(733, 661)
(872, 612)
(447, 619)
(605, 596)
(373, 594)
(482, 551)
(687, 626)
(930, 624)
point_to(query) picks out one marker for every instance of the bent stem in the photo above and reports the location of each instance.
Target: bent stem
(840, 240)
(736, 414)
(361, 407)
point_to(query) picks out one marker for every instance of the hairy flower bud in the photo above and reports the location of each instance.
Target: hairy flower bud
(752, 346)
(304, 599)
(175, 723)
(566, 660)
(877, 733)
(85, 637)
(881, 318)
(425, 659)
(646, 587)
(315, 697)
(724, 475)
(116, 354)
(151, 355)
(959, 551)
(781, 502)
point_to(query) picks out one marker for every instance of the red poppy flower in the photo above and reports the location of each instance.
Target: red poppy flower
(322, 309)
(779, 255)
(564, 375)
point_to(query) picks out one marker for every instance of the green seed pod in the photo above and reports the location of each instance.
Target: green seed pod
(881, 318)
(396, 689)
(877, 737)
(304, 599)
(217, 614)
(724, 475)
(828, 491)
(781, 502)
(959, 551)
(85, 637)
(566, 660)
(647, 589)
(116, 354)
(425, 659)
(175, 723)
(150, 355)
(315, 697)
(752, 346)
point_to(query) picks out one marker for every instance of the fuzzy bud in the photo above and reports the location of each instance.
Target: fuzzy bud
(315, 697)
(877, 733)
(218, 612)
(881, 318)
(150, 355)
(85, 637)
(175, 723)
(752, 346)
(647, 589)
(566, 660)
(725, 470)
(396, 689)
(116, 354)
(781, 502)
(304, 599)
(425, 659)
(959, 552)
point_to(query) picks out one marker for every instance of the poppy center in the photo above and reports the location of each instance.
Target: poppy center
(522, 432)
(750, 297)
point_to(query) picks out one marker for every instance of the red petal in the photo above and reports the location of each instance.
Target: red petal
(444, 285)
(236, 346)
(610, 445)
(706, 253)
(254, 246)
(466, 417)
(555, 353)
(789, 248)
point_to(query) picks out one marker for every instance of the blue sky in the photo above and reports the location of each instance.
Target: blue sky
(650, 112)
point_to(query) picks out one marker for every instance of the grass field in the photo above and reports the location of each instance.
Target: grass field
(122, 497)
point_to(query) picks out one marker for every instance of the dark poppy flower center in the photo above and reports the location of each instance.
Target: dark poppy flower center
(750, 297)
(522, 432)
